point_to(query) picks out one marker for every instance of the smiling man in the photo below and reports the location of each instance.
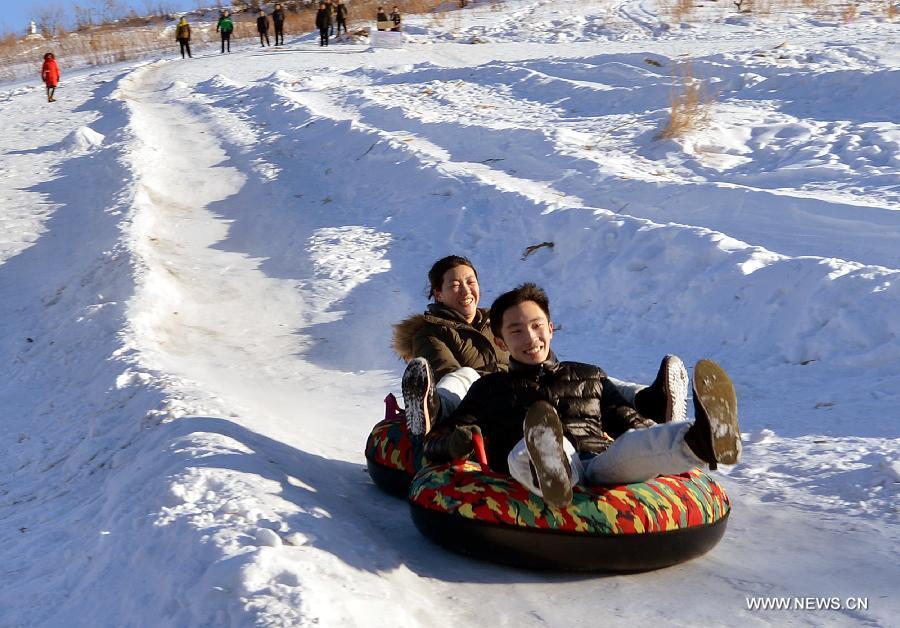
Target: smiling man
(552, 424)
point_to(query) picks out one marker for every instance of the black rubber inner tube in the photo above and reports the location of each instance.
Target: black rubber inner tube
(540, 548)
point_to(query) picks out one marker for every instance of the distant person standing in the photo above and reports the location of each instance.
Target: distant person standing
(183, 36)
(323, 21)
(50, 75)
(381, 18)
(225, 27)
(329, 4)
(262, 27)
(395, 18)
(278, 22)
(341, 13)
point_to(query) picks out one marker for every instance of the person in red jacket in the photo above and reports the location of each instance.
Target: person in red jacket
(50, 75)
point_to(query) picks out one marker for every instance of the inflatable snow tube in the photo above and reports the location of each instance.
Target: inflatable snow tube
(390, 455)
(635, 527)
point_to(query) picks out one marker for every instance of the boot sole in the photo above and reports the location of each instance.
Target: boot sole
(714, 392)
(544, 439)
(676, 390)
(415, 386)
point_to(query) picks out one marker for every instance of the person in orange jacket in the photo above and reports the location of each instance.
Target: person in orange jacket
(50, 75)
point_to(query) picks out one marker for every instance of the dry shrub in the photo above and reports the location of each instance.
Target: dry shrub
(7, 41)
(416, 6)
(438, 18)
(891, 11)
(759, 7)
(689, 105)
(299, 22)
(680, 10)
(108, 46)
(849, 13)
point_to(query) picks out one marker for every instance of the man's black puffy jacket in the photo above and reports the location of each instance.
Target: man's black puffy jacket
(592, 411)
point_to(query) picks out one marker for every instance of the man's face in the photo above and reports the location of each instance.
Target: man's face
(525, 332)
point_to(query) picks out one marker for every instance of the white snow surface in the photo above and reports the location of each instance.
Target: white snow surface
(200, 263)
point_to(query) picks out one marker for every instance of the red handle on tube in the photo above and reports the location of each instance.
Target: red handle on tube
(391, 407)
(479, 448)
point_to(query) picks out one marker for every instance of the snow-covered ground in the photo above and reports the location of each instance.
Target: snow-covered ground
(200, 262)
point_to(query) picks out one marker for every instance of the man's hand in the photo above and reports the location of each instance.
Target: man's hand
(460, 444)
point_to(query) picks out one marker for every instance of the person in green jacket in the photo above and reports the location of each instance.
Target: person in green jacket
(225, 27)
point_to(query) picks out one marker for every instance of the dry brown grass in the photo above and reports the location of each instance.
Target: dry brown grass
(689, 105)
(849, 13)
(680, 10)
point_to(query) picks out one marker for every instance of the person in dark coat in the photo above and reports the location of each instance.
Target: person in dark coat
(453, 332)
(552, 424)
(323, 22)
(225, 26)
(449, 346)
(381, 18)
(278, 22)
(183, 36)
(262, 27)
(329, 4)
(395, 18)
(340, 11)
(50, 75)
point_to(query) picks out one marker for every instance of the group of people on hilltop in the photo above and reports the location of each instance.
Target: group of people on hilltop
(262, 25)
(225, 28)
(388, 22)
(550, 424)
(329, 14)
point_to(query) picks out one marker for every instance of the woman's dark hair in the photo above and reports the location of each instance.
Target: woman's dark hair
(49, 55)
(525, 292)
(436, 274)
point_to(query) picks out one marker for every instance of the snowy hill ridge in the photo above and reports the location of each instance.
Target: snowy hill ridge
(200, 263)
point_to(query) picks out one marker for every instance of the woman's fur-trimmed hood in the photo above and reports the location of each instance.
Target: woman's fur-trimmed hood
(404, 332)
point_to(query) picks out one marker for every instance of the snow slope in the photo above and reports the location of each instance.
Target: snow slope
(200, 263)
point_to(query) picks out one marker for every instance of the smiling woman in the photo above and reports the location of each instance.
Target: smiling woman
(454, 284)
(451, 343)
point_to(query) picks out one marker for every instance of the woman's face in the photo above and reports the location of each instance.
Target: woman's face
(459, 291)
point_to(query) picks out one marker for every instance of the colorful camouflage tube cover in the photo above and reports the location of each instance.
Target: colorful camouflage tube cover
(390, 455)
(632, 527)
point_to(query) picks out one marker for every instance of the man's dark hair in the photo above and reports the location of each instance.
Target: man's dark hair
(525, 292)
(436, 274)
